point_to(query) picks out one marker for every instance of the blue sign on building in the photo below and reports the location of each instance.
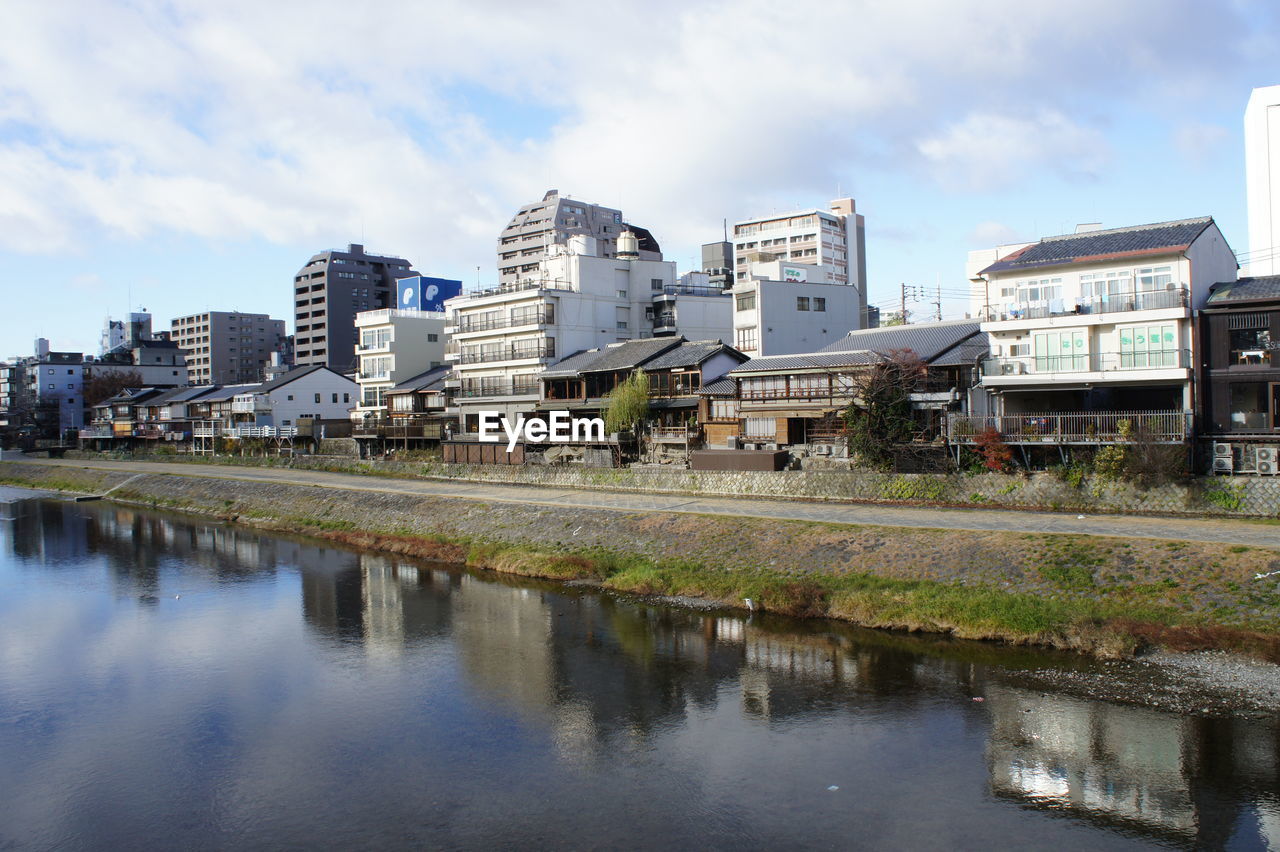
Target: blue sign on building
(425, 294)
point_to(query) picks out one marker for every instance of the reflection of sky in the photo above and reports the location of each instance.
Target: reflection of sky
(303, 694)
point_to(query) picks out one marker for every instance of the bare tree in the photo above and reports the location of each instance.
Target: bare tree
(104, 385)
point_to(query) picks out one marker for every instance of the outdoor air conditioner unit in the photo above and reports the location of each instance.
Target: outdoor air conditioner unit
(731, 442)
(1223, 464)
(1012, 368)
(1265, 461)
(1221, 450)
(822, 449)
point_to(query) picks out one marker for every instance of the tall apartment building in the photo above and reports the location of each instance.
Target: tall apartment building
(536, 227)
(329, 291)
(584, 295)
(226, 348)
(834, 238)
(1262, 180)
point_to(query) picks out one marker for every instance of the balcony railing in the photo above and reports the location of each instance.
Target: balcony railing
(97, 432)
(248, 406)
(507, 353)
(1093, 362)
(1118, 303)
(520, 286)
(500, 389)
(1098, 427)
(260, 432)
(464, 324)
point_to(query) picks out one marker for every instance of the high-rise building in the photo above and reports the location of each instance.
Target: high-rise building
(834, 238)
(329, 291)
(1262, 180)
(538, 226)
(227, 348)
(717, 262)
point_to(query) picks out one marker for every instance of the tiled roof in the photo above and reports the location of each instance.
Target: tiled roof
(690, 354)
(927, 340)
(966, 352)
(188, 394)
(164, 397)
(1156, 238)
(136, 395)
(620, 356)
(811, 361)
(1245, 290)
(720, 387)
(423, 381)
(225, 392)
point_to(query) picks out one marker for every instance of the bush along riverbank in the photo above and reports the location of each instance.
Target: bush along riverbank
(1104, 595)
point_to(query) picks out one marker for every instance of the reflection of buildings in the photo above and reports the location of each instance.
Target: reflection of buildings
(1176, 777)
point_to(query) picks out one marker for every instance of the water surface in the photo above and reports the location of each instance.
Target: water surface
(171, 683)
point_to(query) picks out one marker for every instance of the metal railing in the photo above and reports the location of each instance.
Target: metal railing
(507, 353)
(499, 389)
(520, 286)
(260, 431)
(1118, 303)
(1097, 427)
(543, 316)
(1092, 362)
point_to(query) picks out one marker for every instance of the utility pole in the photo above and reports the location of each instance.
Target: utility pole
(938, 305)
(903, 315)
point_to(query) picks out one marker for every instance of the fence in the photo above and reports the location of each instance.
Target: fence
(1104, 427)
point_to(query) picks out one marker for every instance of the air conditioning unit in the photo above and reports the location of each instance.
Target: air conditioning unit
(731, 442)
(1012, 368)
(1221, 450)
(1223, 464)
(1265, 461)
(822, 449)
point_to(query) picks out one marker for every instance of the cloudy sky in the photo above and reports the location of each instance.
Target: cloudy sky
(188, 155)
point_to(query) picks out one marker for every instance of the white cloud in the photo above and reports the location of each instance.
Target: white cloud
(306, 123)
(987, 151)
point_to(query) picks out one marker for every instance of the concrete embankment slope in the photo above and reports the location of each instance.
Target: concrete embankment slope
(1090, 591)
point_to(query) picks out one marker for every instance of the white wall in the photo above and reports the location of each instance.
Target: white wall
(1262, 180)
(298, 399)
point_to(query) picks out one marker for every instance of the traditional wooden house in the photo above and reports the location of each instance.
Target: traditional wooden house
(1238, 376)
(417, 414)
(799, 400)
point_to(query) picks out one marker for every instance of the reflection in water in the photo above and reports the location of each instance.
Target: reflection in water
(595, 714)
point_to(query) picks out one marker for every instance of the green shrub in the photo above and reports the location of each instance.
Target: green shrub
(1109, 463)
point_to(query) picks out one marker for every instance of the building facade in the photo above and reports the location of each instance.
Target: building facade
(584, 295)
(834, 238)
(224, 347)
(1239, 375)
(329, 291)
(780, 307)
(535, 228)
(395, 344)
(1262, 180)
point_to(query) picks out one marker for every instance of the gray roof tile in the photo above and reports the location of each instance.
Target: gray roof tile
(1245, 290)
(1098, 245)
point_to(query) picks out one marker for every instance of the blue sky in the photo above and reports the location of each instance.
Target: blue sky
(180, 155)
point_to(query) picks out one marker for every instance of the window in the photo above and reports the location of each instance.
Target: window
(317, 399)
(1250, 346)
(802, 303)
(622, 325)
(71, 387)
(51, 387)
(655, 284)
(291, 397)
(346, 397)
(724, 409)
(622, 294)
(1149, 346)
(746, 340)
(1059, 351)
(1249, 409)
(335, 399)
(432, 338)
(746, 302)
(820, 304)
(71, 372)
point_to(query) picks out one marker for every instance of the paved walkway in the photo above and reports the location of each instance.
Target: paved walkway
(1190, 529)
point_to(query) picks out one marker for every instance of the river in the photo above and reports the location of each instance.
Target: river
(175, 683)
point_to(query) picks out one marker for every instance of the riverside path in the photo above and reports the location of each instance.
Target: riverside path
(1224, 530)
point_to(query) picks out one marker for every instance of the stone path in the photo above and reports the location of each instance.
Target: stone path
(1259, 534)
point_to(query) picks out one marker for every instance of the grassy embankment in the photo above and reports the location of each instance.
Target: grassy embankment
(1106, 596)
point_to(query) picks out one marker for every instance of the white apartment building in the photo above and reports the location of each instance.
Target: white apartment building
(394, 344)
(781, 308)
(834, 239)
(1099, 320)
(584, 296)
(305, 392)
(1262, 180)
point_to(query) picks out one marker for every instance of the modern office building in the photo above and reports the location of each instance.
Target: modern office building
(586, 294)
(834, 238)
(329, 291)
(538, 226)
(227, 348)
(1262, 180)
